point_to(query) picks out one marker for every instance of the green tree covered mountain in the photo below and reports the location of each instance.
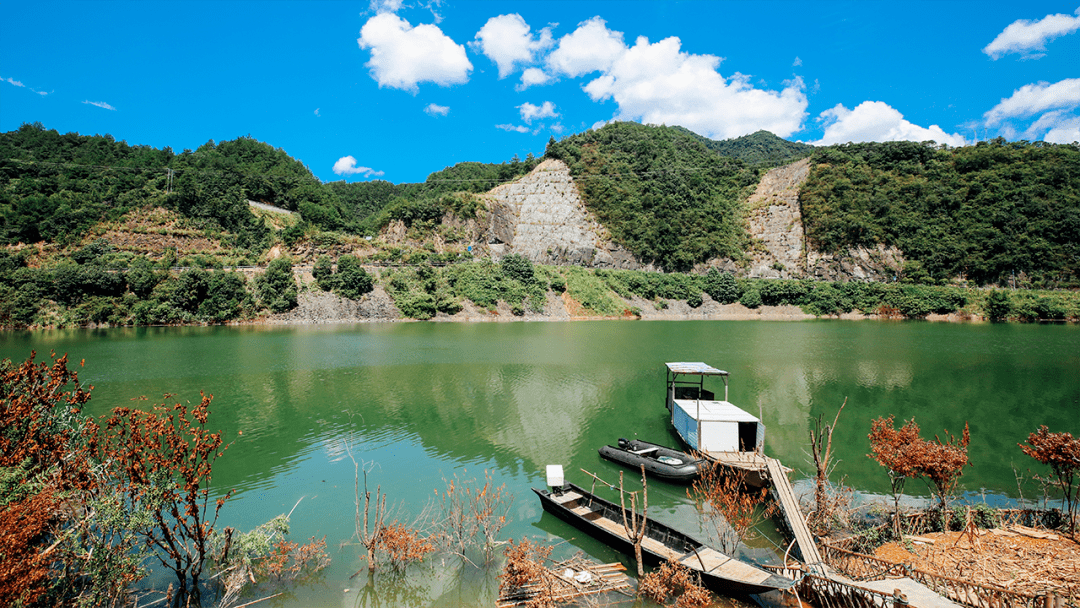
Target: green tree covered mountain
(760, 149)
(989, 213)
(661, 192)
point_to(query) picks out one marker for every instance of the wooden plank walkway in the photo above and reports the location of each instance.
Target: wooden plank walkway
(789, 506)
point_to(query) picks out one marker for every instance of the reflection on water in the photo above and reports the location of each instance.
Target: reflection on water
(423, 403)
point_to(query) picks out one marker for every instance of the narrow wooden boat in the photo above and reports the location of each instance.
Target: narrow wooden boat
(603, 519)
(659, 461)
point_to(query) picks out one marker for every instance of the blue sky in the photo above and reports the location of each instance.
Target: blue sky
(396, 90)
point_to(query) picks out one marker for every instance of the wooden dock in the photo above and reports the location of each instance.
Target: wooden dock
(784, 495)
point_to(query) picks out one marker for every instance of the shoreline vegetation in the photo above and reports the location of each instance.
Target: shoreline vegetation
(95, 295)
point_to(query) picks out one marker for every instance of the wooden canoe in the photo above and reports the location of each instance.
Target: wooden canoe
(603, 519)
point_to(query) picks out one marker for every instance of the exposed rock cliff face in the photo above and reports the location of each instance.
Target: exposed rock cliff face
(541, 217)
(775, 222)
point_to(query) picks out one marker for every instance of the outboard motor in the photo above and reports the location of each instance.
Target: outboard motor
(624, 444)
(555, 479)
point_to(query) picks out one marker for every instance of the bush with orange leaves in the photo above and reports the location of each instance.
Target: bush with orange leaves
(82, 505)
(674, 580)
(62, 537)
(1061, 451)
(262, 558)
(403, 545)
(469, 516)
(162, 461)
(906, 455)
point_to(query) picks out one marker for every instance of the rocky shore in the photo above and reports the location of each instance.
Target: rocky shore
(320, 307)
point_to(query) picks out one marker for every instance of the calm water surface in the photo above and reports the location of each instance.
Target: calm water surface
(421, 403)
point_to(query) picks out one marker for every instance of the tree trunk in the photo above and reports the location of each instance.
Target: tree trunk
(637, 558)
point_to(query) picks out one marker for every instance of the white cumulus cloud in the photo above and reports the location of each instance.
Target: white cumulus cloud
(346, 165)
(1032, 99)
(403, 56)
(1054, 104)
(1023, 36)
(515, 128)
(878, 121)
(1064, 130)
(508, 41)
(660, 84)
(529, 112)
(435, 109)
(100, 104)
(591, 47)
(385, 6)
(532, 76)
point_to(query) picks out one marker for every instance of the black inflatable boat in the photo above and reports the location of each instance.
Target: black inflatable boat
(661, 462)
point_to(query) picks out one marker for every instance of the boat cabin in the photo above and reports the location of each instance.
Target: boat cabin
(704, 423)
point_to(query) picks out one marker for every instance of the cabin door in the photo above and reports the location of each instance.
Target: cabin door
(748, 436)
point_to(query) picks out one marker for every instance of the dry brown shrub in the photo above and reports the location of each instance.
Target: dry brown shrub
(25, 567)
(403, 545)
(525, 567)
(694, 597)
(727, 506)
(905, 455)
(674, 580)
(1062, 453)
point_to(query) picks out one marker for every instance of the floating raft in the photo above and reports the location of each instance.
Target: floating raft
(569, 580)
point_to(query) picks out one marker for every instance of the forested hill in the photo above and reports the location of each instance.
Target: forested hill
(54, 187)
(758, 149)
(661, 192)
(994, 213)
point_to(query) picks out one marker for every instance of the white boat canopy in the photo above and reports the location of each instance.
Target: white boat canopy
(697, 368)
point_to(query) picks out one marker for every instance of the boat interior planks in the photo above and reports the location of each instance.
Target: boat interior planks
(711, 560)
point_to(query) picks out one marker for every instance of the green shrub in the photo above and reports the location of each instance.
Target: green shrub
(226, 297)
(141, 278)
(721, 287)
(277, 286)
(323, 273)
(825, 299)
(416, 304)
(777, 292)
(751, 297)
(997, 306)
(591, 292)
(190, 289)
(351, 280)
(558, 283)
(517, 267)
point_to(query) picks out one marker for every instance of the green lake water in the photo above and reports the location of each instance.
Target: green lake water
(422, 403)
